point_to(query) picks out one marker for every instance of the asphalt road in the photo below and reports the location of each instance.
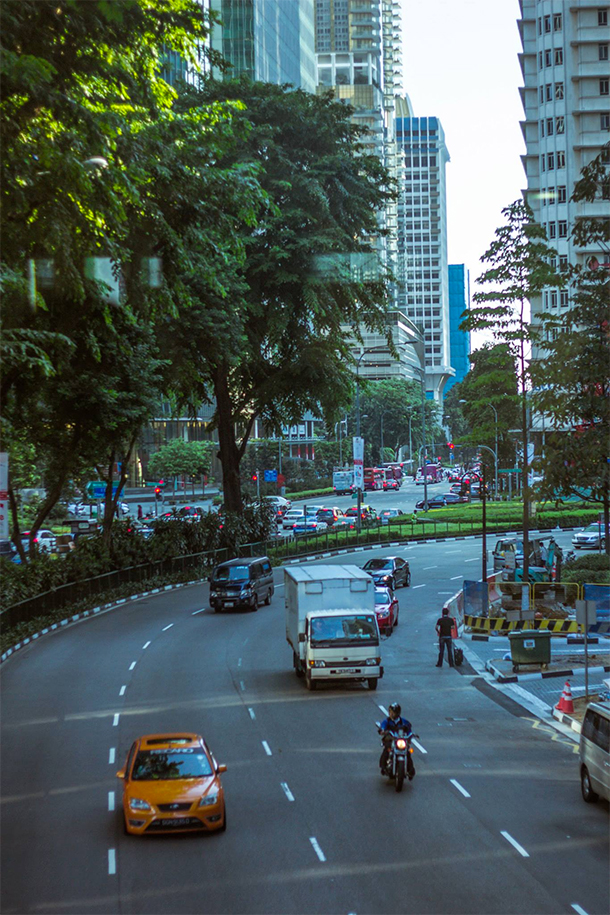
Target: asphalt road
(492, 823)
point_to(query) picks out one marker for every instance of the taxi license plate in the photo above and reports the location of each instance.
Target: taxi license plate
(229, 603)
(178, 821)
(347, 670)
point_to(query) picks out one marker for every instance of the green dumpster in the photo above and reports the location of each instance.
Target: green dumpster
(530, 647)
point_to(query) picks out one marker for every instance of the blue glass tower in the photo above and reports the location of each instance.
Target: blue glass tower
(459, 340)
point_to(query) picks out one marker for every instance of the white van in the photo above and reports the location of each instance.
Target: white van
(595, 752)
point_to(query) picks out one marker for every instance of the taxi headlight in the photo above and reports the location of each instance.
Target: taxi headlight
(372, 662)
(136, 803)
(209, 800)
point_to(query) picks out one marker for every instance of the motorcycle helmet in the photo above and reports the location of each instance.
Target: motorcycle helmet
(395, 707)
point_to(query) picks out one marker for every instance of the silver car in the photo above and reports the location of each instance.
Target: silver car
(591, 538)
(595, 752)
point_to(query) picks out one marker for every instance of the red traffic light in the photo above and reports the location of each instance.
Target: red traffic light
(254, 477)
(450, 445)
(157, 490)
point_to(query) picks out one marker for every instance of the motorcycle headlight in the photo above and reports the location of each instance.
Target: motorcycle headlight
(372, 662)
(209, 800)
(401, 744)
(136, 803)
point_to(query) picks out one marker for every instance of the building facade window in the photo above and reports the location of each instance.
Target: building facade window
(561, 159)
(563, 298)
(602, 51)
(557, 22)
(558, 57)
(604, 87)
(560, 124)
(562, 193)
(540, 60)
(604, 122)
(552, 230)
(542, 128)
(550, 196)
(563, 262)
(559, 90)
(550, 161)
(602, 17)
(548, 58)
(562, 228)
(553, 298)
(547, 24)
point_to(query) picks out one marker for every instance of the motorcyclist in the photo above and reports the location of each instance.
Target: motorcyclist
(388, 727)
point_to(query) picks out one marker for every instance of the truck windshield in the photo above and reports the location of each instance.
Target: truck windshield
(343, 630)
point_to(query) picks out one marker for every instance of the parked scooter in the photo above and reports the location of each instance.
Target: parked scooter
(398, 744)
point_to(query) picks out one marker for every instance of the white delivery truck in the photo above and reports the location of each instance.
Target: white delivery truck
(331, 623)
(343, 482)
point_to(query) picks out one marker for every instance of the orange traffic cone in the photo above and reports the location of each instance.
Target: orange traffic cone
(565, 704)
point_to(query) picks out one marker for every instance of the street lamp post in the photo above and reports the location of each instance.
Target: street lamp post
(495, 453)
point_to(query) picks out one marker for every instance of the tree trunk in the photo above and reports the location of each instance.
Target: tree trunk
(16, 535)
(228, 451)
(606, 520)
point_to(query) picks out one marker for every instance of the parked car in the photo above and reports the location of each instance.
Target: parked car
(241, 583)
(7, 549)
(592, 537)
(386, 609)
(389, 571)
(595, 752)
(45, 540)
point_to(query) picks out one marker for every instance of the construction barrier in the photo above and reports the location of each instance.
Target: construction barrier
(499, 624)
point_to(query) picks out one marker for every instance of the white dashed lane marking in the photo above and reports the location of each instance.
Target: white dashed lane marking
(317, 849)
(459, 787)
(111, 861)
(578, 908)
(415, 587)
(165, 628)
(267, 748)
(515, 844)
(115, 720)
(111, 756)
(198, 611)
(287, 791)
(132, 665)
(111, 800)
(251, 714)
(122, 691)
(145, 646)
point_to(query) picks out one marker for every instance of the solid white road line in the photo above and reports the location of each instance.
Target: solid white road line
(251, 714)
(145, 646)
(417, 744)
(515, 844)
(198, 611)
(427, 568)
(122, 691)
(115, 721)
(165, 628)
(111, 800)
(415, 587)
(459, 787)
(111, 861)
(287, 791)
(476, 559)
(267, 748)
(111, 756)
(132, 665)
(455, 577)
(317, 849)
(242, 685)
(578, 908)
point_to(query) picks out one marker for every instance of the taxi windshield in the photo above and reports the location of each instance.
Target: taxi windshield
(152, 765)
(231, 573)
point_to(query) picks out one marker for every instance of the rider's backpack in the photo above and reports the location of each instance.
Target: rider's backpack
(458, 657)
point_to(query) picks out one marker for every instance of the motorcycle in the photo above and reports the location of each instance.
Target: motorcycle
(398, 749)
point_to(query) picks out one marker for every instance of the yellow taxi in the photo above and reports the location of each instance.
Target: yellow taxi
(171, 784)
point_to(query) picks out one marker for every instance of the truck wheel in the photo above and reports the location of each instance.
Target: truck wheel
(372, 682)
(310, 684)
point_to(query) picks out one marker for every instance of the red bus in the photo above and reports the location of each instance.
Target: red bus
(373, 478)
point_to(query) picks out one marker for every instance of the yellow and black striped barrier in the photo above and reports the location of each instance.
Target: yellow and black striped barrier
(498, 624)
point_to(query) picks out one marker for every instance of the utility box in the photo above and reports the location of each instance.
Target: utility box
(530, 647)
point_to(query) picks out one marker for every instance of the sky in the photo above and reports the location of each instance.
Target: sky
(460, 64)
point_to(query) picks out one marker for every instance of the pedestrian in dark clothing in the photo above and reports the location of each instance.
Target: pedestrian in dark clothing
(444, 627)
(140, 513)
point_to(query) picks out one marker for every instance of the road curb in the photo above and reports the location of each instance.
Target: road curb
(95, 611)
(567, 719)
(541, 675)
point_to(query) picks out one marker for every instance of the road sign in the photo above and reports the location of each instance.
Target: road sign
(270, 476)
(358, 446)
(510, 470)
(96, 489)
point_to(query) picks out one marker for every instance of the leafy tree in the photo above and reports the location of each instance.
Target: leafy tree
(519, 267)
(572, 385)
(278, 348)
(179, 458)
(491, 382)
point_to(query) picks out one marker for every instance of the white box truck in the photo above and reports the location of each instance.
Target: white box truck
(331, 624)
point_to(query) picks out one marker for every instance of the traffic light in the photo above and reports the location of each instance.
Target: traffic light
(157, 491)
(254, 477)
(450, 445)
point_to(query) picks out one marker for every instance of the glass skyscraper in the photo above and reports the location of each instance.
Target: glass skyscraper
(268, 40)
(459, 340)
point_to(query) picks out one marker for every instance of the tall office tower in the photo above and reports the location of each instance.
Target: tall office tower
(268, 40)
(422, 238)
(459, 340)
(358, 58)
(567, 118)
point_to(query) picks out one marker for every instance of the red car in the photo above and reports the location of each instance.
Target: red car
(386, 609)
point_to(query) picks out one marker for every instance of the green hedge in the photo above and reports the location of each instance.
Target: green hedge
(309, 494)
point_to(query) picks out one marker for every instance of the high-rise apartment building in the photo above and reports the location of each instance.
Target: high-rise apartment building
(268, 40)
(423, 294)
(358, 57)
(566, 98)
(459, 340)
